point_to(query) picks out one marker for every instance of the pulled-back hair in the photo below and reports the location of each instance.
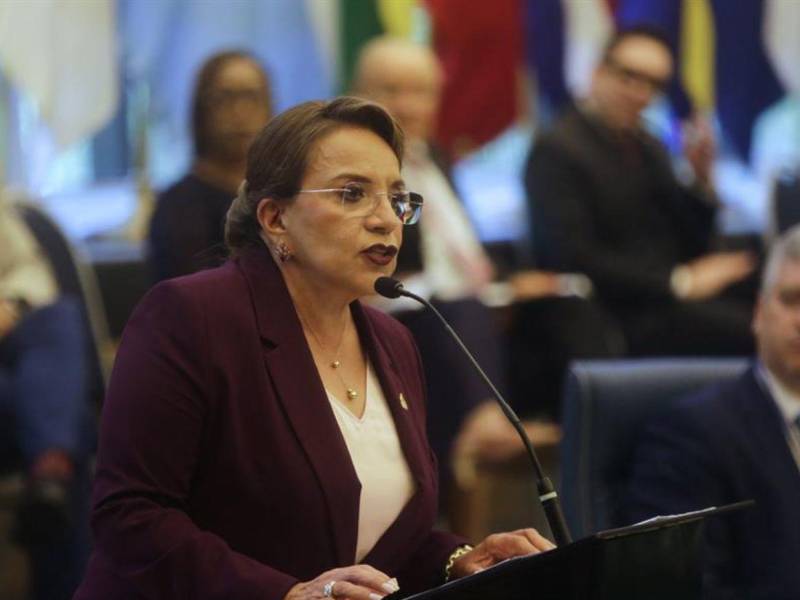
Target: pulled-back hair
(278, 158)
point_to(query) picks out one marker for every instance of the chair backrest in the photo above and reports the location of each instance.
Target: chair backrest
(606, 405)
(785, 202)
(74, 277)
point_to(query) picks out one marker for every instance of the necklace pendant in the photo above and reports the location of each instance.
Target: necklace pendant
(351, 394)
(335, 364)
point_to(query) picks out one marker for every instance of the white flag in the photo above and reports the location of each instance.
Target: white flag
(62, 53)
(588, 27)
(782, 39)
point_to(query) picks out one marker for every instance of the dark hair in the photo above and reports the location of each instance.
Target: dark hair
(277, 159)
(646, 31)
(203, 85)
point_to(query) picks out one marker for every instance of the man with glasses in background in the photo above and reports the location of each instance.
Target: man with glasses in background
(604, 201)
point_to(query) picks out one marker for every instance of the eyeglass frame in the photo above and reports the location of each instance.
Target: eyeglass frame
(628, 75)
(223, 98)
(414, 199)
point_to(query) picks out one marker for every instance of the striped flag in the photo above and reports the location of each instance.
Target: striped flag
(721, 59)
(361, 20)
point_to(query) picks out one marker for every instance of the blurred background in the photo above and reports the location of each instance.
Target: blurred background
(95, 100)
(94, 95)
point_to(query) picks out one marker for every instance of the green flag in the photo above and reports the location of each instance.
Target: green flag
(359, 22)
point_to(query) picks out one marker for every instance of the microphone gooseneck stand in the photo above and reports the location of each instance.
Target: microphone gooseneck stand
(392, 288)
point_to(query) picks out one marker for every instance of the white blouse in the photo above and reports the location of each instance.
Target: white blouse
(381, 467)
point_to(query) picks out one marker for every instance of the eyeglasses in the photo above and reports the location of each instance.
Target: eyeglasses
(632, 76)
(229, 96)
(358, 202)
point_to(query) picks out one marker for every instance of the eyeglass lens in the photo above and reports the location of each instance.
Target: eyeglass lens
(406, 205)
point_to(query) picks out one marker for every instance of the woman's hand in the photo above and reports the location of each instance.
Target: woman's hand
(498, 547)
(359, 582)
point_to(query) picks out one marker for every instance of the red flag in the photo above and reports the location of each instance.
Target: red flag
(480, 46)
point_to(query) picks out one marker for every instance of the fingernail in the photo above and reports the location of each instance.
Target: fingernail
(375, 597)
(391, 585)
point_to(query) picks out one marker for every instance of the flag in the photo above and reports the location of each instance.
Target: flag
(480, 47)
(746, 81)
(397, 16)
(63, 55)
(743, 82)
(324, 22)
(564, 42)
(545, 50)
(697, 53)
(589, 25)
(361, 20)
(782, 40)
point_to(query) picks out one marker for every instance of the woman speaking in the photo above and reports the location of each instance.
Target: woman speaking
(263, 436)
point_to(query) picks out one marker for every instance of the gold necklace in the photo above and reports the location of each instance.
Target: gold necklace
(335, 364)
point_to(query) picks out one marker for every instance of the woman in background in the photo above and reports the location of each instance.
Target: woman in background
(230, 105)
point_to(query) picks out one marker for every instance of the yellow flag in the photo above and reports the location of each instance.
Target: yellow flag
(697, 53)
(397, 16)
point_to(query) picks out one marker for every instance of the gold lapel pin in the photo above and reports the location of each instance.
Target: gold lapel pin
(403, 402)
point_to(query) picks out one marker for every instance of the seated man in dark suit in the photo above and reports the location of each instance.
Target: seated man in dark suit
(604, 201)
(231, 104)
(738, 441)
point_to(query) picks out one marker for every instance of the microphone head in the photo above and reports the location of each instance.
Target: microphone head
(388, 287)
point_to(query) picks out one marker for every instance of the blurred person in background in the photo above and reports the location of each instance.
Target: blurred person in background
(45, 418)
(230, 105)
(445, 260)
(442, 260)
(739, 441)
(604, 201)
(264, 432)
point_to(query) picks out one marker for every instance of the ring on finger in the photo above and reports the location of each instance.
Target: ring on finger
(327, 589)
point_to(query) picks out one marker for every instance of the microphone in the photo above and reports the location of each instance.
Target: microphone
(392, 288)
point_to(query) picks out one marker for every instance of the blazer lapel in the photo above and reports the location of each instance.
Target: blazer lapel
(412, 440)
(299, 389)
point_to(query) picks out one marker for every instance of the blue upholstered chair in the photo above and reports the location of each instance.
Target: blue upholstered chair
(75, 278)
(57, 564)
(606, 404)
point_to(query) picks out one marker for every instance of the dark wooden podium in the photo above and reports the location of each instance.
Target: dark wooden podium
(654, 560)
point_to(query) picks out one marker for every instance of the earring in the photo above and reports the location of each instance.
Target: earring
(283, 252)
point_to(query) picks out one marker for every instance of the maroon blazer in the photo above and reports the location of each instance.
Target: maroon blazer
(222, 472)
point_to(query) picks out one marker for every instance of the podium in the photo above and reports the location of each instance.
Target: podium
(653, 560)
